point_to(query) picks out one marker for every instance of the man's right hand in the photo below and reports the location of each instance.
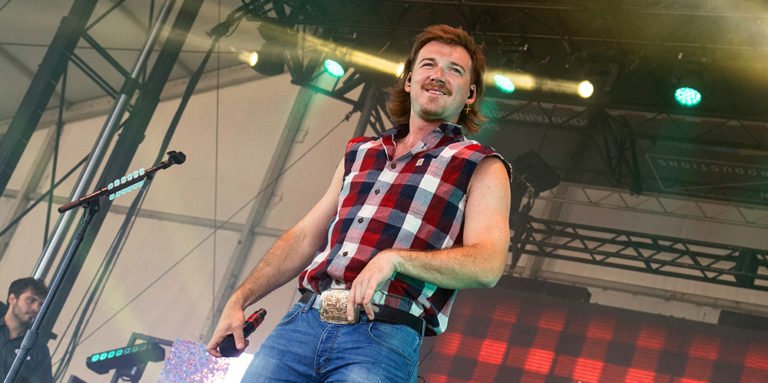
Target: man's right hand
(231, 322)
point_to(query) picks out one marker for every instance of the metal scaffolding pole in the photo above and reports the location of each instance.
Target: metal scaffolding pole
(649, 253)
(370, 98)
(133, 133)
(100, 148)
(29, 186)
(42, 88)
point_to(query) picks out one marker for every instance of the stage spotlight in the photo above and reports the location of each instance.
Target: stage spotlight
(597, 70)
(687, 97)
(125, 358)
(333, 68)
(400, 69)
(585, 89)
(252, 58)
(504, 83)
(269, 60)
(690, 83)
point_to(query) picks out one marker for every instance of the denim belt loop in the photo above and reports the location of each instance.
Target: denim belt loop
(308, 305)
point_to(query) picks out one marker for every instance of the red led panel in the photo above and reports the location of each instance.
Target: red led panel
(503, 335)
(539, 361)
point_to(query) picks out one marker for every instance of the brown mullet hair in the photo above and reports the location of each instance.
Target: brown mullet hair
(399, 103)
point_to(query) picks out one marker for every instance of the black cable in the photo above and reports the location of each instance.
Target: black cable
(41, 198)
(216, 165)
(56, 144)
(4, 5)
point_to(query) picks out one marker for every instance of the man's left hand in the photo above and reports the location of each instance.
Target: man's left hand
(378, 270)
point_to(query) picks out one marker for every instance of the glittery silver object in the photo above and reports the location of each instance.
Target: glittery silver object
(189, 362)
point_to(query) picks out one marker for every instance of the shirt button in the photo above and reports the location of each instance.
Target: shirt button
(360, 220)
(338, 282)
(344, 254)
(393, 166)
(377, 191)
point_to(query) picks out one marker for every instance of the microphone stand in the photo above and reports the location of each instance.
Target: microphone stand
(91, 204)
(174, 157)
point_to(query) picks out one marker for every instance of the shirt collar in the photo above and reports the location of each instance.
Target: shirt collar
(450, 130)
(4, 331)
(445, 130)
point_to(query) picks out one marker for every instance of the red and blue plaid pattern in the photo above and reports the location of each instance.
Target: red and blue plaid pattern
(413, 202)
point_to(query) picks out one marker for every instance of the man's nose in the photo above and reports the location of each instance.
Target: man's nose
(437, 74)
(437, 78)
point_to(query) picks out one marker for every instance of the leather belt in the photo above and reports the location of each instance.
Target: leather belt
(384, 314)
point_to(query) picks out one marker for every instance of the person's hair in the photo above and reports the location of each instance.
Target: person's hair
(399, 103)
(19, 286)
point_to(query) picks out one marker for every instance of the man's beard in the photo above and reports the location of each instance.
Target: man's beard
(21, 318)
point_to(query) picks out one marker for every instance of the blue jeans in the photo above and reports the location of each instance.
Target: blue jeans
(302, 348)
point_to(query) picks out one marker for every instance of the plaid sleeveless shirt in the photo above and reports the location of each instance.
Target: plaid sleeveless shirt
(415, 202)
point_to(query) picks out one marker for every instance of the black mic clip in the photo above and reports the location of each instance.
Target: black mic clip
(174, 158)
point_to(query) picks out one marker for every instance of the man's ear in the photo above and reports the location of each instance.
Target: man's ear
(11, 299)
(407, 85)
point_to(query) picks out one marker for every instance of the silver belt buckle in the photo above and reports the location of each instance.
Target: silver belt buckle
(333, 307)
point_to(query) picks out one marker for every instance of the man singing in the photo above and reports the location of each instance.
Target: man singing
(409, 218)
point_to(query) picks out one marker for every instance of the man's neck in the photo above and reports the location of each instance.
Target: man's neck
(15, 329)
(418, 129)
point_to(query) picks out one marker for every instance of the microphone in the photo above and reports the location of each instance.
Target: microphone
(227, 346)
(174, 158)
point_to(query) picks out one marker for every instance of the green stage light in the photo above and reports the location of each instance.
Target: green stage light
(125, 357)
(125, 179)
(687, 97)
(504, 84)
(333, 68)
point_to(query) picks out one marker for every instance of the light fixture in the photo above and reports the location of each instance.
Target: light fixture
(689, 85)
(333, 68)
(596, 71)
(125, 357)
(687, 97)
(688, 88)
(269, 60)
(400, 69)
(585, 89)
(252, 58)
(124, 180)
(503, 83)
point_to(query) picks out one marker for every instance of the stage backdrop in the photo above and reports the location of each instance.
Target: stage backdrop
(506, 335)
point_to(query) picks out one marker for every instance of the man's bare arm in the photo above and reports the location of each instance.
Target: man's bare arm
(481, 260)
(287, 257)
